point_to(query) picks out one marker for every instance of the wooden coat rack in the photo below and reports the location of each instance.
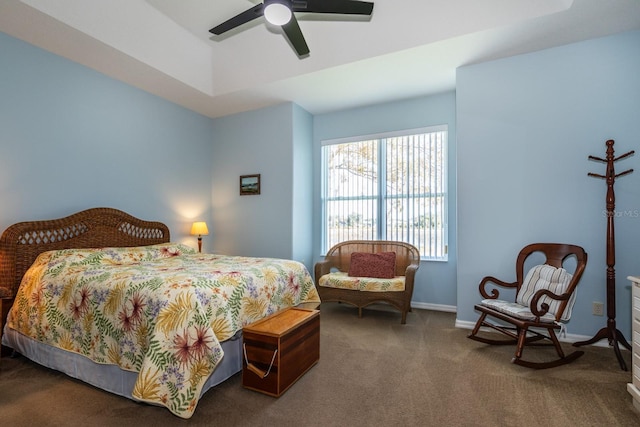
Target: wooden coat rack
(610, 331)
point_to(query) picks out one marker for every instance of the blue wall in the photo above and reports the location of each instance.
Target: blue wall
(275, 223)
(71, 139)
(302, 196)
(526, 126)
(435, 281)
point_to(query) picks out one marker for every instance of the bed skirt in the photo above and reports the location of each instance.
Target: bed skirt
(110, 377)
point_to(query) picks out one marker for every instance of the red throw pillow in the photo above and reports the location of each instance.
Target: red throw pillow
(381, 265)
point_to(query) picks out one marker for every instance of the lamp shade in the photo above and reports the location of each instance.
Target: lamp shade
(199, 228)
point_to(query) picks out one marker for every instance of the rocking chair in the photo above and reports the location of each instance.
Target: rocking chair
(544, 300)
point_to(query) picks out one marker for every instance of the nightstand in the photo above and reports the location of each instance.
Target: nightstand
(5, 304)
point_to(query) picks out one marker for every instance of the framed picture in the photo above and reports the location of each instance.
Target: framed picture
(249, 185)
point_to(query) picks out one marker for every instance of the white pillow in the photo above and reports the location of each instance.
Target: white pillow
(548, 277)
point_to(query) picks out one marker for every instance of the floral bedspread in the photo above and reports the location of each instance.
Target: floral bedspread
(160, 311)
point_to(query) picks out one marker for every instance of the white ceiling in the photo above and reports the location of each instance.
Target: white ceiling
(407, 48)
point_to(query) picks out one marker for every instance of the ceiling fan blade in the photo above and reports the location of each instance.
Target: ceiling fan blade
(236, 21)
(294, 34)
(346, 7)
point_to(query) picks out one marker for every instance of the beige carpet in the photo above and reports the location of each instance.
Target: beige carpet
(372, 371)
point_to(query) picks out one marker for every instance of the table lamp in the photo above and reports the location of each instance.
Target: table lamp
(200, 229)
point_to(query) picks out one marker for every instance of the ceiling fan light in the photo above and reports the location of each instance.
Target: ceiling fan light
(277, 13)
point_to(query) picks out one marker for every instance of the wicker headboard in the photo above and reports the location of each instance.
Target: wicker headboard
(21, 243)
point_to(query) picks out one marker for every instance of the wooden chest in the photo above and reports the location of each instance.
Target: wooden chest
(279, 349)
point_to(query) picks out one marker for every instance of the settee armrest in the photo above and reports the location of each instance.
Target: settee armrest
(409, 276)
(321, 268)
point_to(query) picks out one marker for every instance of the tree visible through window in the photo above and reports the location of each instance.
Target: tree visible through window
(390, 187)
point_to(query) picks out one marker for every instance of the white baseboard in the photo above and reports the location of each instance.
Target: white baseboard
(434, 307)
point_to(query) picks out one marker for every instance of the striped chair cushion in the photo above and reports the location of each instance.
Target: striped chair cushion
(547, 277)
(516, 310)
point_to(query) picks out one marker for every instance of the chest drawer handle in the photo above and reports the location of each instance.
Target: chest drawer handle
(253, 368)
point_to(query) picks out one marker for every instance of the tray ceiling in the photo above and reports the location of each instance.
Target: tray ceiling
(407, 48)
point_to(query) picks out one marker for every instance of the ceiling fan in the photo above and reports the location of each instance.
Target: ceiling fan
(281, 13)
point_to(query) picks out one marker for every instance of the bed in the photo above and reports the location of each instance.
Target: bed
(107, 298)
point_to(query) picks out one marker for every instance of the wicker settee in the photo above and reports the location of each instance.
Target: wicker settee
(338, 286)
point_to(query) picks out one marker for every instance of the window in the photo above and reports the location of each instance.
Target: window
(390, 187)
